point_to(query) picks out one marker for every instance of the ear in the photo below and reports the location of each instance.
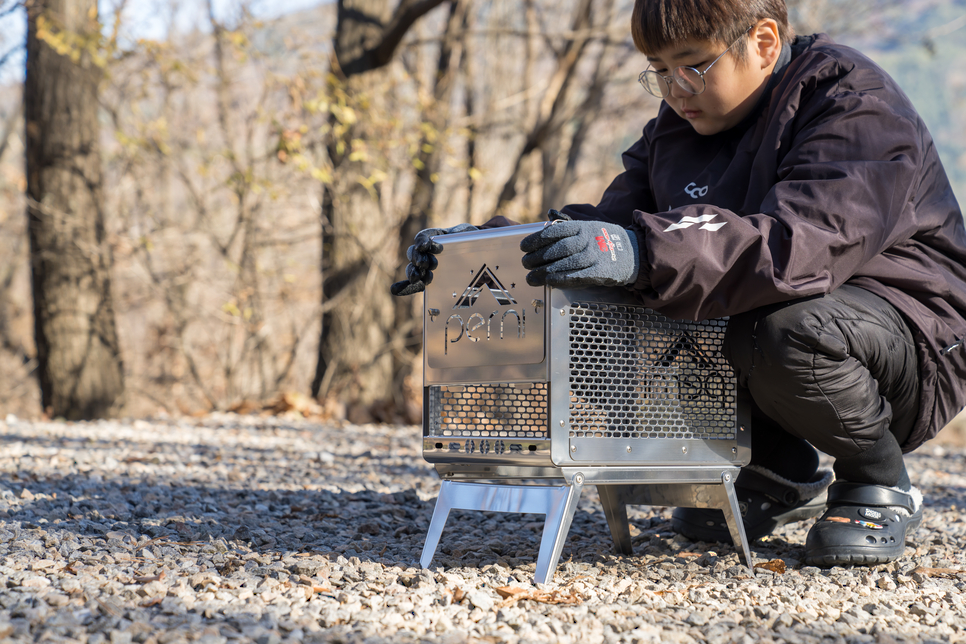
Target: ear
(765, 43)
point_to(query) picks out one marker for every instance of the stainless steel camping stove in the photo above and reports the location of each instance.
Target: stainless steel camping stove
(530, 393)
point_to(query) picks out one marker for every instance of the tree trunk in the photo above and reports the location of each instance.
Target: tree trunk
(355, 361)
(423, 202)
(80, 368)
(355, 364)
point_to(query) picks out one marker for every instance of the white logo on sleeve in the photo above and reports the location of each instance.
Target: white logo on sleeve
(687, 222)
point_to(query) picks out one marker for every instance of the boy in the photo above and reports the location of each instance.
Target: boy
(787, 183)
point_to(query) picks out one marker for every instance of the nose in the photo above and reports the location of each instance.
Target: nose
(679, 92)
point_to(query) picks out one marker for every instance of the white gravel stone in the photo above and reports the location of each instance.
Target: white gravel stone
(249, 529)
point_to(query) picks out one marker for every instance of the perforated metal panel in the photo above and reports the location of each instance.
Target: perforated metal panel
(635, 374)
(505, 410)
(596, 380)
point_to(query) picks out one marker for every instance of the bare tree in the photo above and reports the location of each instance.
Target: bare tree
(216, 238)
(436, 119)
(77, 346)
(360, 242)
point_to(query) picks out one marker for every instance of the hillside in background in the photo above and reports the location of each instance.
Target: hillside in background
(925, 51)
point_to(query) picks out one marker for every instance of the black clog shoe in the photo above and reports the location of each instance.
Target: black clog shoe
(864, 525)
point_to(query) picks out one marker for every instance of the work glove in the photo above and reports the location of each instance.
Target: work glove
(578, 254)
(422, 259)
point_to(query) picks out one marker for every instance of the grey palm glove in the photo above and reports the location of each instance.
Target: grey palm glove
(578, 254)
(422, 259)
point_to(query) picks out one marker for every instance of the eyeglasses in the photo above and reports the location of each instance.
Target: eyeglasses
(688, 78)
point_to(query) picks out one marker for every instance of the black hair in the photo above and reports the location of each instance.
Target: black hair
(659, 24)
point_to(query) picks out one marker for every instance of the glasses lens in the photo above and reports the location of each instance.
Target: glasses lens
(654, 83)
(689, 79)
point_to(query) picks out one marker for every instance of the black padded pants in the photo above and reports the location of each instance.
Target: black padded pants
(838, 372)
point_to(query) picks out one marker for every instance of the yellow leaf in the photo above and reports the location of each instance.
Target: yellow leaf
(777, 566)
(509, 591)
(344, 113)
(321, 175)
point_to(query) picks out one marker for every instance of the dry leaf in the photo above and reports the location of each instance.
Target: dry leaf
(512, 595)
(145, 580)
(245, 407)
(294, 401)
(938, 572)
(458, 595)
(509, 591)
(777, 566)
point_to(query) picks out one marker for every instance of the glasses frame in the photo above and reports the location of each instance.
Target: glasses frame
(679, 79)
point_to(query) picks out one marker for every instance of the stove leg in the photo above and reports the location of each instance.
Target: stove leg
(560, 514)
(444, 503)
(732, 515)
(558, 503)
(615, 509)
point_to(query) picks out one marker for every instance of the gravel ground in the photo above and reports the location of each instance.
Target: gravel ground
(244, 528)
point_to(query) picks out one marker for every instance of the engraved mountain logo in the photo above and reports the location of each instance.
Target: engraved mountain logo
(485, 278)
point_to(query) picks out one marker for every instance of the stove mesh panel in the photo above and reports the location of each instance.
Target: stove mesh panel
(507, 410)
(636, 374)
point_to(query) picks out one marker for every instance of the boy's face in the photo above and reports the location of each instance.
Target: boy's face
(732, 87)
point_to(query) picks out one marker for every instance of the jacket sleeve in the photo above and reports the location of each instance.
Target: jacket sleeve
(842, 196)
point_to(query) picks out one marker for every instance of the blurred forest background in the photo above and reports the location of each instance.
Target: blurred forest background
(261, 175)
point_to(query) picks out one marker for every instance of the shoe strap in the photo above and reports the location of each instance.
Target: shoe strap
(846, 493)
(752, 480)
